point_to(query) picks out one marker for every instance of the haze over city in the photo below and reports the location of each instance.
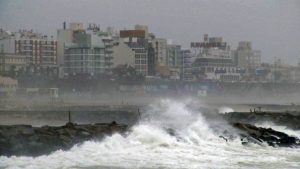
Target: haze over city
(131, 84)
(271, 25)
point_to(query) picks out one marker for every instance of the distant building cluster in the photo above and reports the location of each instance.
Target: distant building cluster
(93, 52)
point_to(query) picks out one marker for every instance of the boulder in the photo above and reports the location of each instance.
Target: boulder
(259, 135)
(34, 141)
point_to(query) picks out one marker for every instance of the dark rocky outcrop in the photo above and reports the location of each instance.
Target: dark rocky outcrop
(34, 141)
(288, 119)
(259, 135)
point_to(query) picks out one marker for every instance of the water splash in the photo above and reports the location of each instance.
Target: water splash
(225, 109)
(150, 145)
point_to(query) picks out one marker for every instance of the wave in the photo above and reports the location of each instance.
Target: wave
(169, 135)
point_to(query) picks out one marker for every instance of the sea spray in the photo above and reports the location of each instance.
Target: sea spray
(195, 144)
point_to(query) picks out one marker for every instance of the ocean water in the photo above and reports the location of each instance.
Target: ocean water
(168, 136)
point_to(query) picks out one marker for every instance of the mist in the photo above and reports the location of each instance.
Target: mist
(271, 25)
(130, 84)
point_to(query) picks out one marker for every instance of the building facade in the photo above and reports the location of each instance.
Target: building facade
(214, 60)
(173, 55)
(89, 54)
(246, 57)
(39, 50)
(13, 63)
(136, 40)
(122, 54)
(160, 48)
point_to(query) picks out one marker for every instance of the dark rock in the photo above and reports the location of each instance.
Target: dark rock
(280, 118)
(34, 141)
(258, 135)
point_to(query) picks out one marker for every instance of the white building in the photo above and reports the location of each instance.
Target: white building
(214, 60)
(39, 50)
(84, 51)
(136, 40)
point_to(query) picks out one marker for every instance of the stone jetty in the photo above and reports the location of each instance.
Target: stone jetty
(259, 135)
(26, 140)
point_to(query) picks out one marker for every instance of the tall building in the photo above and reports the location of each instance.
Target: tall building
(246, 57)
(63, 36)
(186, 61)
(174, 60)
(15, 63)
(122, 54)
(136, 40)
(151, 60)
(160, 50)
(88, 53)
(214, 60)
(160, 47)
(173, 55)
(39, 50)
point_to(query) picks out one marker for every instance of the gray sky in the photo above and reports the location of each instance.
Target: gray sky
(273, 26)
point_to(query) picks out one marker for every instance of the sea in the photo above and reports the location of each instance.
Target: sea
(169, 135)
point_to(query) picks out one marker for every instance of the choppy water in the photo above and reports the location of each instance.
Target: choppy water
(149, 145)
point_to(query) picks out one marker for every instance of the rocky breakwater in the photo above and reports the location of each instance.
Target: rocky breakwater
(289, 119)
(244, 125)
(34, 141)
(259, 135)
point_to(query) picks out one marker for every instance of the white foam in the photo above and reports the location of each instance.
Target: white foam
(225, 109)
(150, 146)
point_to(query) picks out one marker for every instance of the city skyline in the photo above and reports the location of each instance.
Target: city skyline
(268, 27)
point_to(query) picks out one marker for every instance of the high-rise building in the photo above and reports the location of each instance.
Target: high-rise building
(214, 60)
(136, 40)
(160, 47)
(151, 61)
(122, 54)
(174, 60)
(84, 51)
(13, 62)
(186, 61)
(160, 50)
(63, 36)
(88, 54)
(39, 50)
(173, 55)
(246, 57)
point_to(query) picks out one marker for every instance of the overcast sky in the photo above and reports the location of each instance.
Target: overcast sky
(273, 26)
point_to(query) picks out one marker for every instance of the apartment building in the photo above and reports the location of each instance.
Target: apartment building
(39, 50)
(136, 40)
(88, 54)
